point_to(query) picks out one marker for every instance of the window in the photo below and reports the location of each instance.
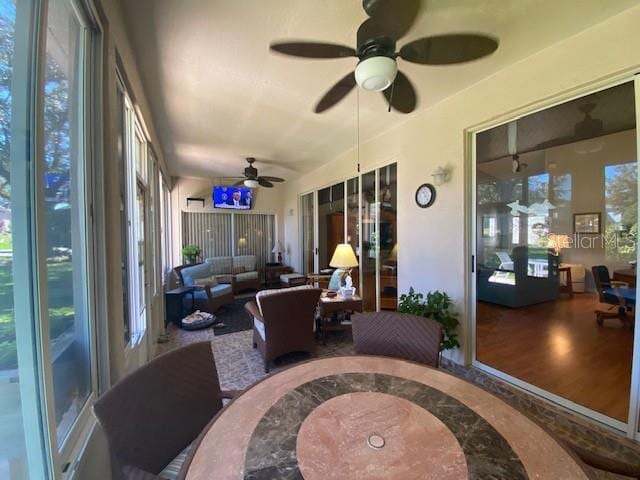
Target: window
(13, 222)
(44, 238)
(65, 212)
(136, 249)
(165, 226)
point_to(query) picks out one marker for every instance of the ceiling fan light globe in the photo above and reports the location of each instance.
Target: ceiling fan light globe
(376, 73)
(251, 183)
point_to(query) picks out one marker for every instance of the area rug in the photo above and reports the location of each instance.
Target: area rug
(233, 317)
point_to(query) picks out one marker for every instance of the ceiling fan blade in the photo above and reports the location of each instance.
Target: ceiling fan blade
(271, 179)
(264, 183)
(313, 49)
(395, 17)
(448, 49)
(336, 93)
(238, 184)
(401, 94)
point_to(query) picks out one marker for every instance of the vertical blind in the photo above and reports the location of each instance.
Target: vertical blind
(226, 234)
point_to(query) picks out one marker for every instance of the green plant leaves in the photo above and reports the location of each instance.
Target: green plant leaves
(437, 306)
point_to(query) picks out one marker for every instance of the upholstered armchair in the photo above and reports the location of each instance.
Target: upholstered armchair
(283, 321)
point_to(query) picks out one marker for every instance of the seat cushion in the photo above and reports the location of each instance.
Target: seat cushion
(220, 290)
(220, 265)
(243, 277)
(292, 279)
(191, 274)
(245, 263)
(224, 278)
(172, 470)
(259, 328)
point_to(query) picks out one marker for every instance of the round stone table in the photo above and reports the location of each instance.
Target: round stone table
(374, 418)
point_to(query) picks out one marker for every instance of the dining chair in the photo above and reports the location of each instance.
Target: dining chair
(151, 416)
(606, 464)
(400, 335)
(616, 294)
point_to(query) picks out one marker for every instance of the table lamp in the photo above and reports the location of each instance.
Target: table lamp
(344, 258)
(277, 249)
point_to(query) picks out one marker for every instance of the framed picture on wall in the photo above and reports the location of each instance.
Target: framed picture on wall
(586, 222)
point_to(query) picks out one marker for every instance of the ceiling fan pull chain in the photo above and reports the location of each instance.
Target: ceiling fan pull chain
(358, 126)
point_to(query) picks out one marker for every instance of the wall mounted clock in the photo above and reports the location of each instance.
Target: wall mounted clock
(425, 195)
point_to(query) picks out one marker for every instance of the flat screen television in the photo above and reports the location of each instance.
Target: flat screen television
(235, 198)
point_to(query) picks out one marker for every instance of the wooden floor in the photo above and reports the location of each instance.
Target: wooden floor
(559, 347)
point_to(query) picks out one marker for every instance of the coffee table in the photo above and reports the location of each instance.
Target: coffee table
(330, 306)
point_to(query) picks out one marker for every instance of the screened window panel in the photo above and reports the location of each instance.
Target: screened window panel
(255, 236)
(210, 231)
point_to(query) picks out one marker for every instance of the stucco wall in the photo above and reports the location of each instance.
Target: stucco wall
(433, 251)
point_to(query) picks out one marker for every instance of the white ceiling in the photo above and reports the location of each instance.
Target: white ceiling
(218, 94)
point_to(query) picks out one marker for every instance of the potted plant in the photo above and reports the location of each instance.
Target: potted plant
(437, 306)
(191, 253)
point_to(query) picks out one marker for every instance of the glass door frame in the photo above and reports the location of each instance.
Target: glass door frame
(345, 181)
(631, 427)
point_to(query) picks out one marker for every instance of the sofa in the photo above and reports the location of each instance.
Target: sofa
(210, 293)
(533, 279)
(240, 271)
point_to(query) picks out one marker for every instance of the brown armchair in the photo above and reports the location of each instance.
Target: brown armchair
(153, 414)
(283, 321)
(401, 335)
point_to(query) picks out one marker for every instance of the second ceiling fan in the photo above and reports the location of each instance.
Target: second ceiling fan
(377, 68)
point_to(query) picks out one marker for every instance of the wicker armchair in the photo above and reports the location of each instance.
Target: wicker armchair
(283, 321)
(393, 334)
(151, 416)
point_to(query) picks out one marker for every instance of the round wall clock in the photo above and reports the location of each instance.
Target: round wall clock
(425, 195)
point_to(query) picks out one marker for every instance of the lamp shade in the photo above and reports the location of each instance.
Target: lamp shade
(277, 248)
(344, 257)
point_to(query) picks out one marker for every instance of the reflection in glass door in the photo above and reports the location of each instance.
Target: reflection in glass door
(307, 221)
(556, 232)
(387, 189)
(369, 256)
(330, 222)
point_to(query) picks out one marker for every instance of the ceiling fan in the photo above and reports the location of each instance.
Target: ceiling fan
(377, 68)
(251, 178)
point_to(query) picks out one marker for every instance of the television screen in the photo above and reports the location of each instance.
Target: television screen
(237, 198)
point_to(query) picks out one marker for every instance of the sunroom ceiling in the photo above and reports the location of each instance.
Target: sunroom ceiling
(218, 95)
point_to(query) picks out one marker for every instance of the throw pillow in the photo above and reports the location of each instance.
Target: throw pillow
(204, 282)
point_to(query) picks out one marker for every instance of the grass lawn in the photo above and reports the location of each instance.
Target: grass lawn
(61, 313)
(5, 241)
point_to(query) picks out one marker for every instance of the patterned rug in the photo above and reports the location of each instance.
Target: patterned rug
(239, 366)
(233, 316)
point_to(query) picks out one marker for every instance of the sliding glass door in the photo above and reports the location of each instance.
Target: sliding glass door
(330, 222)
(556, 216)
(307, 219)
(362, 212)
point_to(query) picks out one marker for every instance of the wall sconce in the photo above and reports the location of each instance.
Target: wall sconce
(440, 176)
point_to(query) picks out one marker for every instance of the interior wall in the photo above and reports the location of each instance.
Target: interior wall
(433, 242)
(266, 201)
